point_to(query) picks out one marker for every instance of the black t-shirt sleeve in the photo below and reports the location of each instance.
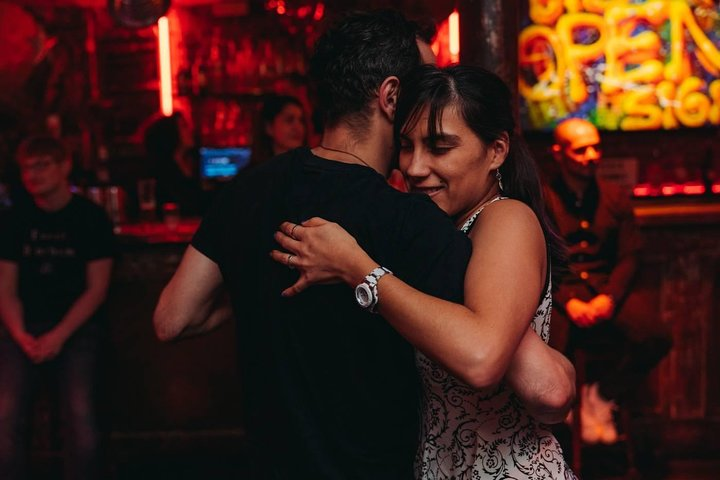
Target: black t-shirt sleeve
(433, 252)
(208, 238)
(9, 240)
(98, 239)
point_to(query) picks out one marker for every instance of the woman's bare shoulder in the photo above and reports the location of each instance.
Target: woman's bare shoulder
(508, 216)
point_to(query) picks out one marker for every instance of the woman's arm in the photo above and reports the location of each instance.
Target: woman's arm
(324, 252)
(503, 283)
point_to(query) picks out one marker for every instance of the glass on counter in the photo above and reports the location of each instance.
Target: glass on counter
(171, 215)
(146, 198)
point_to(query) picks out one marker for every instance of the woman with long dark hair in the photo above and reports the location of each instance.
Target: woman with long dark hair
(457, 144)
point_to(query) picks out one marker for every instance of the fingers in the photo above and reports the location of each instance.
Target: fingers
(287, 242)
(295, 230)
(298, 287)
(585, 321)
(290, 229)
(284, 258)
(301, 284)
(314, 222)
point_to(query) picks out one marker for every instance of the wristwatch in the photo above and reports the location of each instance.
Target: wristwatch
(366, 293)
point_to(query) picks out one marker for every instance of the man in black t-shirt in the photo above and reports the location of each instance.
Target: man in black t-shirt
(330, 390)
(55, 262)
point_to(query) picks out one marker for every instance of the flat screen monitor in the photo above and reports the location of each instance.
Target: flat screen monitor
(222, 163)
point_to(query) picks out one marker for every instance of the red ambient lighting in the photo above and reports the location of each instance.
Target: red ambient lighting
(454, 24)
(166, 93)
(693, 188)
(319, 11)
(642, 190)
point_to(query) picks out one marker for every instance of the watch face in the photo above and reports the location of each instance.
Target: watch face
(363, 295)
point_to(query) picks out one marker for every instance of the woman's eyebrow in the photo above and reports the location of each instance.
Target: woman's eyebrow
(442, 137)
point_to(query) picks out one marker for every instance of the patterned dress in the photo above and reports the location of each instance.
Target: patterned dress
(487, 433)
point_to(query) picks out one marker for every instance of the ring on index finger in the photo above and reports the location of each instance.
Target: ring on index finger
(289, 261)
(292, 231)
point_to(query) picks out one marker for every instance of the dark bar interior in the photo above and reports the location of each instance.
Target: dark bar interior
(115, 80)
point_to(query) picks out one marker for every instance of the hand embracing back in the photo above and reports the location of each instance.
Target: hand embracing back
(323, 252)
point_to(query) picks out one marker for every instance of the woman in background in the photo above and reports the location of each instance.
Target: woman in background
(282, 126)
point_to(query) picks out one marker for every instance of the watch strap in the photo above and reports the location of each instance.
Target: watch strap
(371, 279)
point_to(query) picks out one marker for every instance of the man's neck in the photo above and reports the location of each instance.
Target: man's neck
(54, 201)
(341, 144)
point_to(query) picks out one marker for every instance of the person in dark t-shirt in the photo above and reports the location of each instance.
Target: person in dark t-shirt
(55, 262)
(331, 391)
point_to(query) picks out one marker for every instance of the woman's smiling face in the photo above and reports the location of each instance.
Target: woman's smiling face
(452, 167)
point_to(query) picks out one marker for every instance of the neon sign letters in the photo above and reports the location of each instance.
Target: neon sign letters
(622, 64)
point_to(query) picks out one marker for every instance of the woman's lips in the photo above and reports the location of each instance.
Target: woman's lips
(429, 191)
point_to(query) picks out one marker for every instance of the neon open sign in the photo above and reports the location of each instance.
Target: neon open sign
(628, 65)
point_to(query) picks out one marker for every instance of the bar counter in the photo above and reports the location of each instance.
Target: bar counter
(686, 211)
(165, 397)
(680, 274)
(151, 233)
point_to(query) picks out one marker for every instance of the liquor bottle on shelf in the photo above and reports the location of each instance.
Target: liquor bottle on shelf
(199, 75)
(184, 80)
(216, 80)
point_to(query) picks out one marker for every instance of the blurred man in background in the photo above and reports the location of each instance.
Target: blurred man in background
(55, 263)
(595, 307)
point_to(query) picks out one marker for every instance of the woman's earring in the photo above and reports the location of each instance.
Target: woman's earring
(498, 175)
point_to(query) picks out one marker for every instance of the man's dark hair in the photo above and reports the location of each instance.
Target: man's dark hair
(354, 56)
(41, 145)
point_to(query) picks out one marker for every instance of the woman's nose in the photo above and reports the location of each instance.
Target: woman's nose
(417, 166)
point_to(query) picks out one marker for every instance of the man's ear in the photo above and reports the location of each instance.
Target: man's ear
(556, 151)
(388, 96)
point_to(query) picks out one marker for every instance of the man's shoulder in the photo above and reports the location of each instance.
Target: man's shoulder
(257, 177)
(421, 206)
(419, 222)
(20, 213)
(83, 207)
(10, 215)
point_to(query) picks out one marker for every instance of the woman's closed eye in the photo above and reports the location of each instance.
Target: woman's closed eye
(439, 149)
(406, 146)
